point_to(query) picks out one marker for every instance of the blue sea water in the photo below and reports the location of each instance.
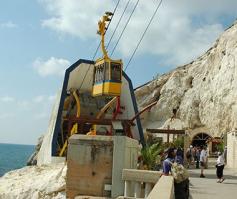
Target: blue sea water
(14, 156)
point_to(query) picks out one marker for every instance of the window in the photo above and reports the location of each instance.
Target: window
(106, 71)
(115, 71)
(99, 73)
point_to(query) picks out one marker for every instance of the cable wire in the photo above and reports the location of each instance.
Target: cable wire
(125, 27)
(118, 24)
(99, 44)
(158, 6)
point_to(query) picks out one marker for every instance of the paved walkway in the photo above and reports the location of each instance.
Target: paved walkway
(208, 188)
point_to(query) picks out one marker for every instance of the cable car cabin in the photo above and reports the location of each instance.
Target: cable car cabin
(107, 78)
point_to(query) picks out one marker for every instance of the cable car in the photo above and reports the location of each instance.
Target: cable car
(107, 77)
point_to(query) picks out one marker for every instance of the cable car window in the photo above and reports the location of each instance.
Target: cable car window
(99, 74)
(96, 78)
(115, 71)
(96, 74)
(102, 68)
(106, 71)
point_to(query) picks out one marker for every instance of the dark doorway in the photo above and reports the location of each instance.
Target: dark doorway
(200, 139)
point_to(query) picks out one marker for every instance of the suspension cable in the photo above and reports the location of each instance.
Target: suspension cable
(158, 6)
(99, 44)
(118, 24)
(125, 27)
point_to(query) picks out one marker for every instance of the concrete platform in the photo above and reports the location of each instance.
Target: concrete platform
(203, 188)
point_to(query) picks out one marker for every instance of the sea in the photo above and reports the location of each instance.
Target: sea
(14, 156)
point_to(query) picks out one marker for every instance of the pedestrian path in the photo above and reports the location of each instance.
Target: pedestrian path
(208, 188)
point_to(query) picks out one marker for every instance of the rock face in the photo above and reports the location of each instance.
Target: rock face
(204, 91)
(34, 182)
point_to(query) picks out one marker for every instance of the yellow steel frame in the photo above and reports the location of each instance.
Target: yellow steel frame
(75, 126)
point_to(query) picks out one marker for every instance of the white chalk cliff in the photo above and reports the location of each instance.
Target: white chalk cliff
(204, 91)
(34, 182)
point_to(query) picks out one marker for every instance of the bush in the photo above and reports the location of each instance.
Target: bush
(179, 142)
(151, 155)
(220, 147)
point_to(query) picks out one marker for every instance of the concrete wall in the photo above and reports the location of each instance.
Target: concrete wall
(44, 155)
(95, 164)
(232, 149)
(163, 189)
(125, 156)
(89, 161)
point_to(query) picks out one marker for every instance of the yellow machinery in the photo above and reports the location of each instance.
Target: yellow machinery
(107, 72)
(107, 81)
(74, 129)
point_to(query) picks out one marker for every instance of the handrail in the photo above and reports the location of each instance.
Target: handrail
(141, 175)
(135, 181)
(163, 189)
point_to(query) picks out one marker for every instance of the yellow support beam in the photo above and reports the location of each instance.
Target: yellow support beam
(73, 131)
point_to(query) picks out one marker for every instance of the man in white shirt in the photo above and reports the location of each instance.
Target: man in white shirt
(203, 160)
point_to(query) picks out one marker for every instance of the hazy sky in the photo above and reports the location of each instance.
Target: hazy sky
(40, 39)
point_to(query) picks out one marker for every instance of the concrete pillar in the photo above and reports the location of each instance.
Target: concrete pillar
(225, 139)
(234, 153)
(127, 188)
(148, 188)
(137, 189)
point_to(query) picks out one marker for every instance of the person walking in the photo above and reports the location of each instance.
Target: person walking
(197, 157)
(189, 155)
(220, 164)
(203, 160)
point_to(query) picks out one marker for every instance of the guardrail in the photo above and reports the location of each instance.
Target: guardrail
(147, 184)
(139, 183)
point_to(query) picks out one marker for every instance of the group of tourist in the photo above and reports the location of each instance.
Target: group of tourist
(200, 156)
(193, 154)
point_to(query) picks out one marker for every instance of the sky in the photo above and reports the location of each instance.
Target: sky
(39, 39)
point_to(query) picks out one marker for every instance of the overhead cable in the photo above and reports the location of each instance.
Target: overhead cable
(158, 6)
(118, 24)
(125, 27)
